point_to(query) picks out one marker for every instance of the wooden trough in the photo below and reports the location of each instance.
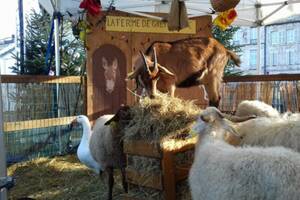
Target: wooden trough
(156, 170)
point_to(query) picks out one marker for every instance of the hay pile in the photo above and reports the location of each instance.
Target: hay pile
(59, 178)
(163, 116)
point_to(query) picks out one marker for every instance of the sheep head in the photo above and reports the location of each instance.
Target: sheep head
(212, 122)
(123, 114)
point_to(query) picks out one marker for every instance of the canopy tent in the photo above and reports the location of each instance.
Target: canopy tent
(250, 12)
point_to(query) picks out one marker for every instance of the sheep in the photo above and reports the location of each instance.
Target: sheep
(106, 145)
(264, 131)
(221, 171)
(255, 107)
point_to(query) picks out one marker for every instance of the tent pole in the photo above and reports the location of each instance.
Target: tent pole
(163, 7)
(258, 67)
(3, 170)
(57, 65)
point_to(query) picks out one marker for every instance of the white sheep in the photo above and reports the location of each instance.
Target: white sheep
(104, 145)
(265, 131)
(224, 172)
(255, 107)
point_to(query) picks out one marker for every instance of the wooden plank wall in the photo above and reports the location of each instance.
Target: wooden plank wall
(131, 44)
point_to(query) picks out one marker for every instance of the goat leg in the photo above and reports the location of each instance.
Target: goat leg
(124, 182)
(110, 171)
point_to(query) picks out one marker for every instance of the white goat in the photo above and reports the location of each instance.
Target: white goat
(224, 172)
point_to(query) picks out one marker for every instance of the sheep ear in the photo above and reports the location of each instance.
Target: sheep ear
(207, 118)
(113, 119)
(238, 119)
(232, 130)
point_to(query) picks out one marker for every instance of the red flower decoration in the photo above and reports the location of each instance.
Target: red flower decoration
(232, 14)
(92, 6)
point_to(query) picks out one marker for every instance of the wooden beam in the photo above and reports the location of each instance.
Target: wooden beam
(144, 179)
(258, 78)
(41, 79)
(142, 148)
(182, 172)
(169, 180)
(40, 123)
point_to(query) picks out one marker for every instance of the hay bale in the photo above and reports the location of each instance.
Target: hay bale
(152, 119)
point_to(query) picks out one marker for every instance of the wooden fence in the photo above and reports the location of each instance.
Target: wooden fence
(281, 91)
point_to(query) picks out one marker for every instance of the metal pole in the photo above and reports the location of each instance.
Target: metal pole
(258, 67)
(265, 49)
(21, 35)
(57, 64)
(3, 171)
(163, 7)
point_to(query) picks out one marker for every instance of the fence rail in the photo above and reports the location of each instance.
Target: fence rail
(41, 79)
(37, 112)
(262, 78)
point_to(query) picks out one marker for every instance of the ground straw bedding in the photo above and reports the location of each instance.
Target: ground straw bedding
(163, 116)
(163, 119)
(59, 178)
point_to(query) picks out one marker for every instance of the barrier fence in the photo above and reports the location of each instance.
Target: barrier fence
(281, 91)
(37, 111)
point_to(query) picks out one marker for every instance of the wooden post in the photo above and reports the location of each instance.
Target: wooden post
(169, 180)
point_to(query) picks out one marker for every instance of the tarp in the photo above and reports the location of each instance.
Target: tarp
(250, 12)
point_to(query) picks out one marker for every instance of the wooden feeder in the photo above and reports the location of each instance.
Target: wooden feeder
(155, 171)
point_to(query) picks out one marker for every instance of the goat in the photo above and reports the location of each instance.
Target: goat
(221, 171)
(183, 63)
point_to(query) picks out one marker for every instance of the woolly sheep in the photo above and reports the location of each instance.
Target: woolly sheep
(255, 107)
(106, 145)
(264, 131)
(224, 172)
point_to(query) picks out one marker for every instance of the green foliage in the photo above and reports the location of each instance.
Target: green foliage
(225, 37)
(37, 33)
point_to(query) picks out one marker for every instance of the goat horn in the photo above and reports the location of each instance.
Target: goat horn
(145, 62)
(155, 61)
(238, 118)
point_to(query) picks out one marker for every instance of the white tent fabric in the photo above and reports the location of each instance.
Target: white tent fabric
(250, 12)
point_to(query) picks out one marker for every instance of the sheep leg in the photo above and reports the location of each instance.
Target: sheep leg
(110, 171)
(124, 182)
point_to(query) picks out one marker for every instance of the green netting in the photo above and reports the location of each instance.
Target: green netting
(38, 101)
(29, 144)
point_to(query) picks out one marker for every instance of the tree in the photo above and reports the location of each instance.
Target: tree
(37, 33)
(225, 37)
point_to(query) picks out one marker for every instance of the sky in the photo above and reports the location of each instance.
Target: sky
(9, 15)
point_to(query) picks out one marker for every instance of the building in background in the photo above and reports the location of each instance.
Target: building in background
(280, 47)
(7, 48)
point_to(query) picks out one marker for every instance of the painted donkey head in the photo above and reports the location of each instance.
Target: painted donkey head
(110, 73)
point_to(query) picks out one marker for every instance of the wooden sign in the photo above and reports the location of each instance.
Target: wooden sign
(145, 25)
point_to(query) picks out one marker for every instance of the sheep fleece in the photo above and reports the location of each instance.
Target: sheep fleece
(105, 144)
(224, 172)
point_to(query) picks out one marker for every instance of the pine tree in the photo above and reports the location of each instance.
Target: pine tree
(225, 37)
(37, 33)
